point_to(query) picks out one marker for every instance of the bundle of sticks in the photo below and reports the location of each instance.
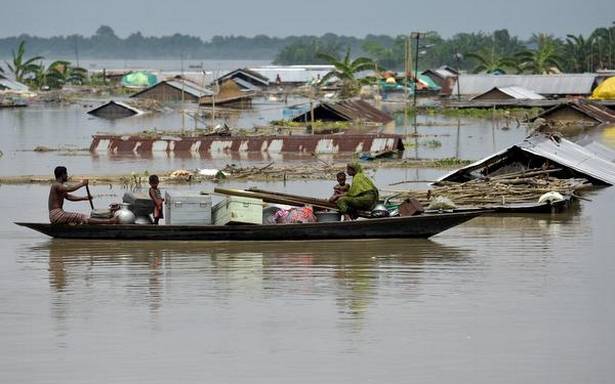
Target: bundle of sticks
(519, 187)
(294, 171)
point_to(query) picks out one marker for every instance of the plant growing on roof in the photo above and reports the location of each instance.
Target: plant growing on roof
(545, 59)
(19, 66)
(345, 70)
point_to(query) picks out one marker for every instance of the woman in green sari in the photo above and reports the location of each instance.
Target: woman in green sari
(362, 196)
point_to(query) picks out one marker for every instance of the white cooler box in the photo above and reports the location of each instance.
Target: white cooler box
(238, 210)
(182, 208)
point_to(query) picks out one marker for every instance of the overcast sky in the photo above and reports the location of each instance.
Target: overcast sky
(282, 18)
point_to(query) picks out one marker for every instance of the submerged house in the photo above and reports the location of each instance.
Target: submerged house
(578, 111)
(115, 110)
(444, 76)
(508, 93)
(246, 79)
(175, 90)
(293, 75)
(229, 93)
(542, 151)
(554, 86)
(346, 110)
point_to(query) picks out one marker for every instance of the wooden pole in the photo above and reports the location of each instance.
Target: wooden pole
(87, 189)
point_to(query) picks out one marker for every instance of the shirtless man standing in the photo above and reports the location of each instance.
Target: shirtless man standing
(59, 192)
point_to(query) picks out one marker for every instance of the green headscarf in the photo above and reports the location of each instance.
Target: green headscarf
(360, 182)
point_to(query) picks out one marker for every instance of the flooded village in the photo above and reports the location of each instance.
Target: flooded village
(374, 210)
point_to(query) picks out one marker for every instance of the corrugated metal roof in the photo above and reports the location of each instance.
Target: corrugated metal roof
(189, 87)
(597, 112)
(559, 84)
(121, 104)
(518, 93)
(254, 75)
(294, 74)
(12, 85)
(574, 156)
(558, 150)
(245, 85)
(350, 110)
(601, 151)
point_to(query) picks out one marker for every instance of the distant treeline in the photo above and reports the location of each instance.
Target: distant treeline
(470, 51)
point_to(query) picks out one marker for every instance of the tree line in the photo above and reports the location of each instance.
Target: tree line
(496, 52)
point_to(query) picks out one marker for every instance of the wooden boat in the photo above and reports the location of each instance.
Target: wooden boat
(422, 226)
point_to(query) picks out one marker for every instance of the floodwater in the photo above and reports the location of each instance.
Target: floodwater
(69, 127)
(500, 299)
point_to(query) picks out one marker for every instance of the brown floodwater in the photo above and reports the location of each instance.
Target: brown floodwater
(499, 299)
(69, 127)
(505, 299)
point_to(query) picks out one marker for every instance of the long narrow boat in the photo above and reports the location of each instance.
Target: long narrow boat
(422, 226)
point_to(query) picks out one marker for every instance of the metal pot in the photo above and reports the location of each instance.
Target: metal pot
(125, 215)
(380, 210)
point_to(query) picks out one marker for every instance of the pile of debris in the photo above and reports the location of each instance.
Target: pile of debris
(508, 189)
(284, 172)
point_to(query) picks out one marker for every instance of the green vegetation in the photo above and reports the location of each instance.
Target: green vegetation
(490, 61)
(451, 162)
(55, 76)
(346, 70)
(333, 125)
(307, 51)
(20, 67)
(477, 113)
(497, 51)
(432, 144)
(544, 59)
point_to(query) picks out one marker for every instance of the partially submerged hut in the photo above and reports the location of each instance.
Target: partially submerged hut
(542, 151)
(115, 110)
(346, 110)
(508, 93)
(578, 111)
(441, 75)
(293, 75)
(245, 77)
(555, 85)
(229, 93)
(174, 90)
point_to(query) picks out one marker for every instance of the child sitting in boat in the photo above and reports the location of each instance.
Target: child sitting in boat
(341, 188)
(155, 195)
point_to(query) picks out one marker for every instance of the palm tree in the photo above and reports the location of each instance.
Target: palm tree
(604, 41)
(545, 59)
(19, 67)
(489, 61)
(345, 70)
(578, 52)
(57, 74)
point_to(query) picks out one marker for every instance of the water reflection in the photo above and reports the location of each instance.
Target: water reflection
(351, 272)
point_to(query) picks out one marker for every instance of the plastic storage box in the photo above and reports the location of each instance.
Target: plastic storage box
(181, 208)
(238, 210)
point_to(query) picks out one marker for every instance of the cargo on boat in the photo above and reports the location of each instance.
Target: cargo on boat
(422, 226)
